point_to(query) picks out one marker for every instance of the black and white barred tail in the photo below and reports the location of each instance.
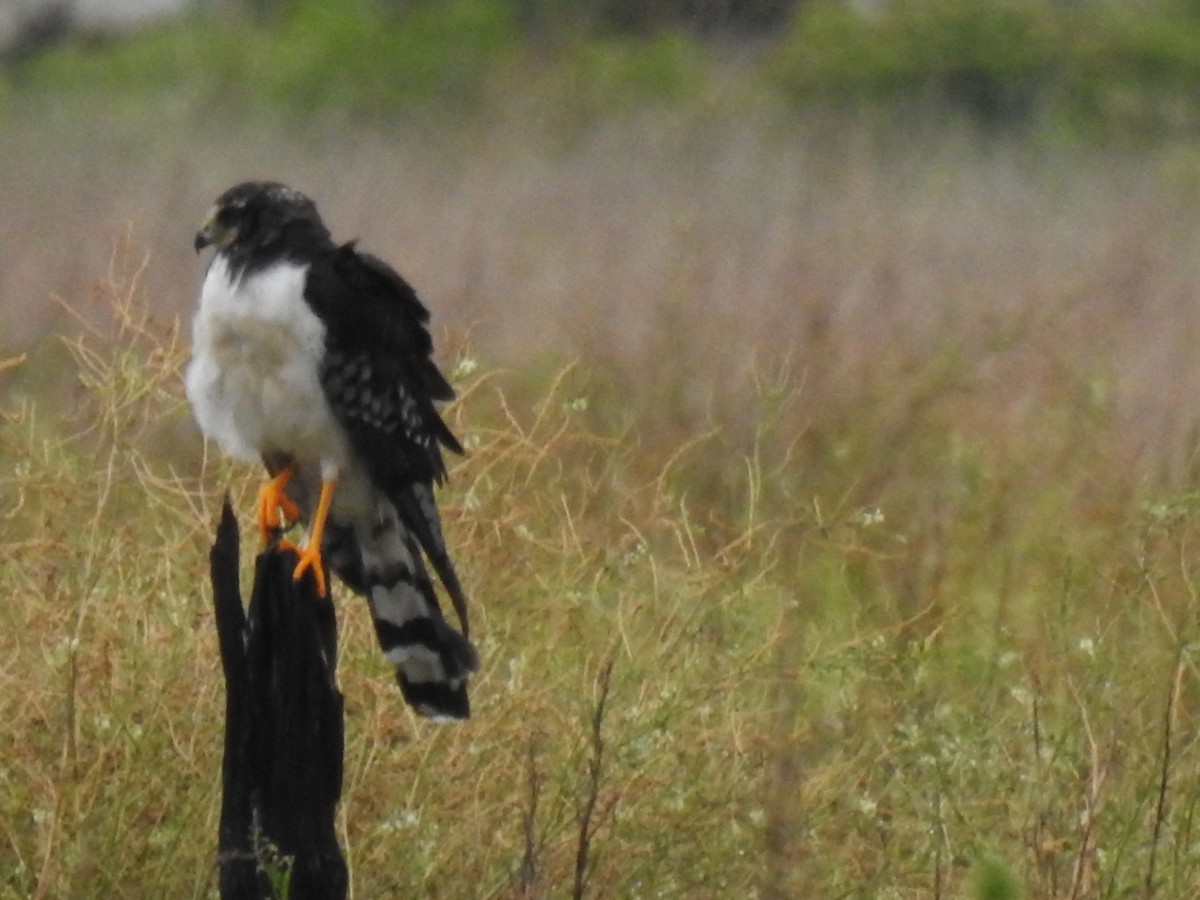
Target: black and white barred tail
(432, 660)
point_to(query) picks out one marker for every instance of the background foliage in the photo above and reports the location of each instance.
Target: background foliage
(1095, 64)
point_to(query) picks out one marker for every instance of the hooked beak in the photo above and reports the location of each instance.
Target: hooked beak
(211, 233)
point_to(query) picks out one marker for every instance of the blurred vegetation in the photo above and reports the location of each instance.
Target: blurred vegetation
(1087, 64)
(365, 59)
(1096, 63)
(358, 56)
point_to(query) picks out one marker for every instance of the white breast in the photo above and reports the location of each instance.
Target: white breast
(253, 381)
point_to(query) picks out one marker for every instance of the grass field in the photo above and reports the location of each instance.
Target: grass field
(828, 515)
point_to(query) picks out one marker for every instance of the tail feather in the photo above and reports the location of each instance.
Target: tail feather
(432, 660)
(423, 654)
(419, 512)
(380, 557)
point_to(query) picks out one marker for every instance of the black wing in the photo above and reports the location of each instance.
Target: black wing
(379, 377)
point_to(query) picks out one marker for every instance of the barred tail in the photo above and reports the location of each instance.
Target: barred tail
(432, 659)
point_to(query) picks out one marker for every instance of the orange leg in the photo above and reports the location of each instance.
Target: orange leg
(310, 557)
(274, 505)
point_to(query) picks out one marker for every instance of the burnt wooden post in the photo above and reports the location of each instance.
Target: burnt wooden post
(284, 741)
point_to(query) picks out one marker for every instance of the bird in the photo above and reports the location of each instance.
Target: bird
(315, 357)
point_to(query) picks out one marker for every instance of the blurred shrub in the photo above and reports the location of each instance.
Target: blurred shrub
(381, 59)
(603, 74)
(640, 17)
(1135, 67)
(1001, 60)
(1102, 62)
(358, 56)
(991, 56)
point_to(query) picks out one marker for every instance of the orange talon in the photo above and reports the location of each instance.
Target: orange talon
(310, 556)
(274, 505)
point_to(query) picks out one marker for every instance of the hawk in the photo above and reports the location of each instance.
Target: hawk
(315, 358)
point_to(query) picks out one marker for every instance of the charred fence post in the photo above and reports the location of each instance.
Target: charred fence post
(284, 739)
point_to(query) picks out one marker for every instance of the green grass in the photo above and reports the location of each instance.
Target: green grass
(875, 655)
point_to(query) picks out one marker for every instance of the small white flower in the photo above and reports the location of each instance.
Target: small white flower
(1088, 646)
(405, 819)
(516, 669)
(869, 517)
(465, 366)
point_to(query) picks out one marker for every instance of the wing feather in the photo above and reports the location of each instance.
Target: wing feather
(380, 379)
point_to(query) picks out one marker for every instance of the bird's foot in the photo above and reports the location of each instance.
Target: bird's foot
(275, 508)
(310, 558)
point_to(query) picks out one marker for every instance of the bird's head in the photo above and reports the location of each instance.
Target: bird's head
(253, 217)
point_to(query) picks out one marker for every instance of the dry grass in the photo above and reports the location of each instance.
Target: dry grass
(682, 253)
(852, 559)
(602, 632)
